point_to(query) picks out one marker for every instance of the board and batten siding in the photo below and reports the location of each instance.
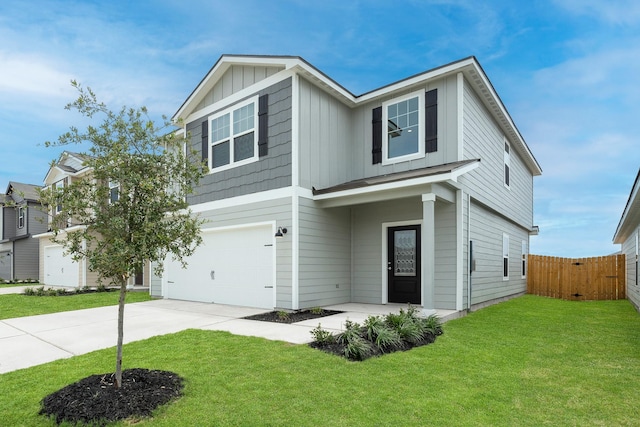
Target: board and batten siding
(269, 172)
(447, 152)
(278, 210)
(325, 135)
(236, 78)
(483, 139)
(486, 232)
(628, 248)
(324, 255)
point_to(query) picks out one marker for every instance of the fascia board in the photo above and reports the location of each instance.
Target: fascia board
(633, 205)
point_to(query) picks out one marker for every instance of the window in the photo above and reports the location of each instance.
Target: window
(59, 186)
(505, 256)
(524, 259)
(233, 137)
(21, 217)
(403, 137)
(507, 162)
(114, 191)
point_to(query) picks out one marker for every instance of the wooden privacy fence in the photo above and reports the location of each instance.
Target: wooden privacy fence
(598, 278)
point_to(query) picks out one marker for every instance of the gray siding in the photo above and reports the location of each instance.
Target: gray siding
(236, 78)
(325, 138)
(362, 166)
(483, 139)
(486, 233)
(26, 259)
(10, 226)
(269, 172)
(274, 210)
(629, 250)
(155, 283)
(325, 255)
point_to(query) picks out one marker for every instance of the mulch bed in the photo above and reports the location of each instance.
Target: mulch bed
(94, 400)
(293, 317)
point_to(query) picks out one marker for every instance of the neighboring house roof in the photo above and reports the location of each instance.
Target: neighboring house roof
(19, 191)
(69, 163)
(470, 68)
(631, 215)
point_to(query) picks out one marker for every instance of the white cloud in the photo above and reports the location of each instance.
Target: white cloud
(618, 12)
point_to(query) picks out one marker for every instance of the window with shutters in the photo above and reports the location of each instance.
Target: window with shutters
(233, 136)
(507, 163)
(403, 136)
(505, 256)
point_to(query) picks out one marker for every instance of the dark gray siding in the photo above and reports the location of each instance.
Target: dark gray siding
(269, 172)
(26, 259)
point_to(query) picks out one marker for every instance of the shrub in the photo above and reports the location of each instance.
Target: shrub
(355, 346)
(316, 310)
(283, 315)
(322, 336)
(29, 291)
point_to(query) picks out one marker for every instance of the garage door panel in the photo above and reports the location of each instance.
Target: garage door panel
(230, 267)
(59, 270)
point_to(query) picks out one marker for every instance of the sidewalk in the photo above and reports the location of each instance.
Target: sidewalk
(33, 340)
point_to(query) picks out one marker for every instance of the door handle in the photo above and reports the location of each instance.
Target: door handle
(389, 268)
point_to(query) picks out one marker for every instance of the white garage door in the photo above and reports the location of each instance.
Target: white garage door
(233, 266)
(59, 270)
(5, 265)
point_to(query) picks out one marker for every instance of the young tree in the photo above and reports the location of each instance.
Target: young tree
(132, 209)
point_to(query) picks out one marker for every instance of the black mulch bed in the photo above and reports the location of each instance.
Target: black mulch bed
(293, 317)
(338, 349)
(94, 400)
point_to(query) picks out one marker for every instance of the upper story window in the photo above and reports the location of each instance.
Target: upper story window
(403, 138)
(21, 217)
(114, 191)
(58, 187)
(234, 139)
(507, 162)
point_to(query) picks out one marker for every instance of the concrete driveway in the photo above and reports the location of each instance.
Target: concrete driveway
(33, 340)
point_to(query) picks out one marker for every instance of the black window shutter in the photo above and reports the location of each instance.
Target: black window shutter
(205, 141)
(263, 125)
(431, 121)
(377, 135)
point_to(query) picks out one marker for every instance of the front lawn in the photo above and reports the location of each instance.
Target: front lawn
(19, 305)
(531, 361)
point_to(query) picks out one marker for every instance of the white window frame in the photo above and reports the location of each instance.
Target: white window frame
(20, 216)
(385, 133)
(507, 164)
(524, 267)
(112, 185)
(505, 255)
(230, 110)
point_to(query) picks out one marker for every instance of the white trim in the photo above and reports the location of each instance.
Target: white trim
(459, 250)
(429, 197)
(262, 196)
(295, 255)
(385, 249)
(460, 115)
(420, 153)
(66, 230)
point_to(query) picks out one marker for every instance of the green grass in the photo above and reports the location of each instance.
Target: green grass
(18, 305)
(531, 361)
(14, 284)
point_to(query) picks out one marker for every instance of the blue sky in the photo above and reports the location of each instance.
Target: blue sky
(568, 72)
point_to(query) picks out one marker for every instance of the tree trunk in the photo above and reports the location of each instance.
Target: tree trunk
(123, 292)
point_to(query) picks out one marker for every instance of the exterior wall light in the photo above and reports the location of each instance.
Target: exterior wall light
(281, 232)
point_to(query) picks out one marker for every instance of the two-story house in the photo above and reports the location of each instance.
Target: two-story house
(628, 236)
(420, 191)
(57, 268)
(20, 218)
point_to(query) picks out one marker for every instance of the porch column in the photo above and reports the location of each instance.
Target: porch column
(428, 244)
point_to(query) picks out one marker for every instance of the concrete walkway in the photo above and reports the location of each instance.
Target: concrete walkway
(33, 340)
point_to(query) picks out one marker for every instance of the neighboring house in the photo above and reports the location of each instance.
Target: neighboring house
(20, 218)
(317, 196)
(628, 235)
(57, 268)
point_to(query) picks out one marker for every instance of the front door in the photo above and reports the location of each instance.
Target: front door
(403, 264)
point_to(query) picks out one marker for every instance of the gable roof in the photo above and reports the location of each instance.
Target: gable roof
(69, 163)
(469, 67)
(19, 192)
(631, 215)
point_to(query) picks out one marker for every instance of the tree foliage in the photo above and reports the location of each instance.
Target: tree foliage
(149, 219)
